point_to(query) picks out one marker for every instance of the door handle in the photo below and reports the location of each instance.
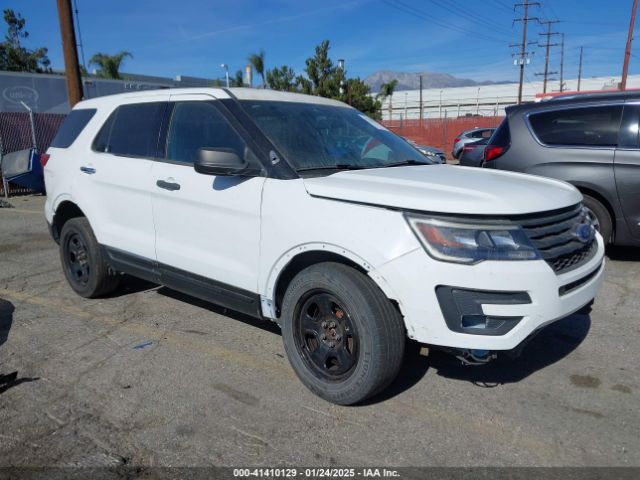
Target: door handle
(168, 185)
(88, 170)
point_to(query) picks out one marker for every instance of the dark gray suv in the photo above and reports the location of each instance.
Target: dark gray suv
(588, 140)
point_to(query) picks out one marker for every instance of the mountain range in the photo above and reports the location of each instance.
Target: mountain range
(411, 81)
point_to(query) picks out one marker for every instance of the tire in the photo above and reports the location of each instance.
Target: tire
(353, 314)
(600, 217)
(83, 262)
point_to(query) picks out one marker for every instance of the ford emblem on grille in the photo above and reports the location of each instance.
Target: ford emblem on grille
(584, 232)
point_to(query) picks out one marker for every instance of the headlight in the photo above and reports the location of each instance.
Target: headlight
(466, 243)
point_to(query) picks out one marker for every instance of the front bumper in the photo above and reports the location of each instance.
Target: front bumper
(415, 277)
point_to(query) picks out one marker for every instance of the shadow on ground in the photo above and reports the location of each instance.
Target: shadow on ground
(624, 254)
(549, 346)
(9, 380)
(266, 325)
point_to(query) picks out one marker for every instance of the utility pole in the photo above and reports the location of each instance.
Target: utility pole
(580, 69)
(522, 59)
(421, 108)
(627, 50)
(547, 45)
(562, 63)
(71, 67)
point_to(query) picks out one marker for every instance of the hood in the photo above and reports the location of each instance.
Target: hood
(446, 189)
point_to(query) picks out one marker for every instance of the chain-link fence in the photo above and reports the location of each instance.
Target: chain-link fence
(15, 134)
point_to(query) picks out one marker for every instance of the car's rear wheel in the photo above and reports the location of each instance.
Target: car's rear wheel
(343, 337)
(600, 217)
(83, 262)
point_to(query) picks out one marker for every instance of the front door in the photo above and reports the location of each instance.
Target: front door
(207, 227)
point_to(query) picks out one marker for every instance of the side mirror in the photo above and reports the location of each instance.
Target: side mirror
(219, 161)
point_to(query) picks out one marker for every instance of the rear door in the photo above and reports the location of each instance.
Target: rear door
(627, 168)
(114, 185)
(207, 227)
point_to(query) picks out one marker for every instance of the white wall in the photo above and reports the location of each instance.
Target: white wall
(486, 100)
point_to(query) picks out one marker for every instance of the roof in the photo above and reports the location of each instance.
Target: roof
(579, 97)
(219, 93)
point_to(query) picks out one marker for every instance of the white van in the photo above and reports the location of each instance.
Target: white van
(304, 211)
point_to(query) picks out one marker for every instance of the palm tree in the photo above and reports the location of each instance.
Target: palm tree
(386, 91)
(109, 65)
(257, 62)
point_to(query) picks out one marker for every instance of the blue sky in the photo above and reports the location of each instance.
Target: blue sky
(467, 38)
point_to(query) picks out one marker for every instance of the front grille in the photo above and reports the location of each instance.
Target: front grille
(553, 234)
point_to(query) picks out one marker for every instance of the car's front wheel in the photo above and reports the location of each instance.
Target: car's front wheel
(344, 338)
(83, 262)
(600, 217)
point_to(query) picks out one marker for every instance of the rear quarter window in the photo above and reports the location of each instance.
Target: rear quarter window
(502, 135)
(132, 130)
(72, 126)
(586, 126)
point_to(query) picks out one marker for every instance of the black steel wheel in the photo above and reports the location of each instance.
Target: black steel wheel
(77, 259)
(83, 262)
(325, 335)
(343, 337)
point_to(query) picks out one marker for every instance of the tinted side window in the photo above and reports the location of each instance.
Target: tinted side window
(101, 142)
(590, 126)
(502, 136)
(629, 128)
(196, 125)
(72, 126)
(135, 130)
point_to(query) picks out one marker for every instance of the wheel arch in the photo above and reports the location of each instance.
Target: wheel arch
(64, 212)
(301, 257)
(586, 190)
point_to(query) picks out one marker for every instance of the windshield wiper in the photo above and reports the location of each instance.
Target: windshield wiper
(404, 162)
(339, 166)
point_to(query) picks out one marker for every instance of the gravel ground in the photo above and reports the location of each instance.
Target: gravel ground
(212, 387)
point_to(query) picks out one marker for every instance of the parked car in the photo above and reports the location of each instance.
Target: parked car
(435, 155)
(303, 211)
(588, 140)
(473, 153)
(469, 136)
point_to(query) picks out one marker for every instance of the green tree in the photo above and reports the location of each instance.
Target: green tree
(358, 95)
(257, 62)
(13, 56)
(238, 79)
(109, 65)
(323, 75)
(386, 91)
(283, 78)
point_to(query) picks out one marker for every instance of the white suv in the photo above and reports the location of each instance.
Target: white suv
(301, 210)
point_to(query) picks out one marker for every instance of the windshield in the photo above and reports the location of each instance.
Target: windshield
(314, 136)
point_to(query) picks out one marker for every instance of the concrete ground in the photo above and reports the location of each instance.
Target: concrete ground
(213, 387)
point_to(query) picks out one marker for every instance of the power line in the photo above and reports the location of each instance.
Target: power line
(399, 5)
(465, 11)
(75, 10)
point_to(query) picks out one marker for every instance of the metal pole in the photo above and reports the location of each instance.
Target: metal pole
(562, 65)
(627, 50)
(440, 106)
(523, 49)
(580, 69)
(421, 107)
(72, 70)
(478, 102)
(546, 58)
